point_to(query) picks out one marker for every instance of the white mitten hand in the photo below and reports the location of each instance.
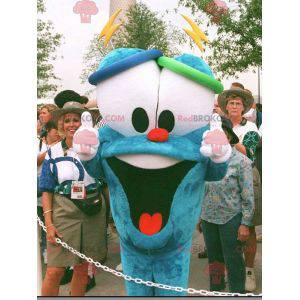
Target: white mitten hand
(215, 144)
(86, 138)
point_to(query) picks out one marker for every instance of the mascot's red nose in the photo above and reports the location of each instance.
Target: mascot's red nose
(158, 135)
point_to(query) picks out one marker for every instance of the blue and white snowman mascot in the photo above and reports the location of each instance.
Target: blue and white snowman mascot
(156, 152)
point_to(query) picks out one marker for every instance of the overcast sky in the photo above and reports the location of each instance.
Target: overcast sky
(77, 36)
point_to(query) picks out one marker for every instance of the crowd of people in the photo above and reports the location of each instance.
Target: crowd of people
(231, 207)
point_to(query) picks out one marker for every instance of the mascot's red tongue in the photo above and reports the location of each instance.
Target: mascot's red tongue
(150, 225)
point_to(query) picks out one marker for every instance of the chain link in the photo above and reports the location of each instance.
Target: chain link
(141, 281)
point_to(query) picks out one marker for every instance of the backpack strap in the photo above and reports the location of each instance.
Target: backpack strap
(65, 158)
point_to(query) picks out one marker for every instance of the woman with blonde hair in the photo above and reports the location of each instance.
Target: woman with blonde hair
(46, 113)
(72, 205)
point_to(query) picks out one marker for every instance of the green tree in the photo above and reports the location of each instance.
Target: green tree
(237, 46)
(47, 43)
(143, 29)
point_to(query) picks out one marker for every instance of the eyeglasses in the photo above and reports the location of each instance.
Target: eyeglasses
(237, 104)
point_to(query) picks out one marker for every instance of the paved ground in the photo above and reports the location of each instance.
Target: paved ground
(110, 285)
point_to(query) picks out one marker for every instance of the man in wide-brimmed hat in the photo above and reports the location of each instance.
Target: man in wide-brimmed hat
(235, 102)
(245, 99)
(225, 229)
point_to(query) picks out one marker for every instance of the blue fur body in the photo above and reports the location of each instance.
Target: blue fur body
(165, 256)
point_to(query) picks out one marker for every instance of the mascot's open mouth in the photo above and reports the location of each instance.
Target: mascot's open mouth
(149, 213)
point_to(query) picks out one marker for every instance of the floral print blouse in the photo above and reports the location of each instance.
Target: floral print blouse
(233, 194)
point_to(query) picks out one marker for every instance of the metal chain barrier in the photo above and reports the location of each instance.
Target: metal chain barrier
(141, 281)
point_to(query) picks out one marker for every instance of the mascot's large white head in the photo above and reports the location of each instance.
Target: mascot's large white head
(156, 110)
(140, 92)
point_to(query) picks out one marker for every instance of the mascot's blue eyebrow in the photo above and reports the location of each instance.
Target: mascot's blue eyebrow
(121, 60)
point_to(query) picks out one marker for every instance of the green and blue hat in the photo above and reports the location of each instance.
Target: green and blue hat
(193, 68)
(187, 65)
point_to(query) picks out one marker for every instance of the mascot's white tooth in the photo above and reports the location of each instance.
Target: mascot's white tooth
(149, 161)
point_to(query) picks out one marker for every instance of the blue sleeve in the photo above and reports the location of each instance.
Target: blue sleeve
(214, 171)
(47, 180)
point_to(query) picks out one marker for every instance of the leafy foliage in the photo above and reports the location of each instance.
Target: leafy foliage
(237, 47)
(95, 52)
(47, 43)
(143, 29)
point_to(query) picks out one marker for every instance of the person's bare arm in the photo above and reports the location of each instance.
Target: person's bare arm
(241, 148)
(47, 208)
(41, 158)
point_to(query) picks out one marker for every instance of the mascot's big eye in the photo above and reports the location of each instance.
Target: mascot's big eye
(140, 120)
(166, 120)
(183, 104)
(127, 104)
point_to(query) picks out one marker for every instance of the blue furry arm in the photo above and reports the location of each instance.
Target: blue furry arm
(214, 171)
(94, 167)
